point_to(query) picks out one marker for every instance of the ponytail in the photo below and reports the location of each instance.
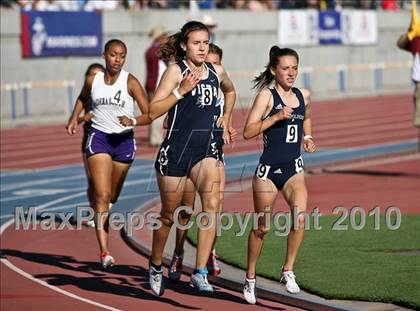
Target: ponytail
(171, 49)
(93, 66)
(265, 78)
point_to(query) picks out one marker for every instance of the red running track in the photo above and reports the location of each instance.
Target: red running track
(343, 123)
(391, 181)
(62, 259)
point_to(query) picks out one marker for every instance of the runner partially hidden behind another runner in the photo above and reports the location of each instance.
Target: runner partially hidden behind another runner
(86, 106)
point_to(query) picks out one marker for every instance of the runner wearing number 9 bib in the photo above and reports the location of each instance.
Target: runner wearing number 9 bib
(282, 115)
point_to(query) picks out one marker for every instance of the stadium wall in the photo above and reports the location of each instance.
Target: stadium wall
(245, 37)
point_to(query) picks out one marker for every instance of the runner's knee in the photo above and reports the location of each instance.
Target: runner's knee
(166, 218)
(300, 220)
(260, 231)
(211, 204)
(102, 197)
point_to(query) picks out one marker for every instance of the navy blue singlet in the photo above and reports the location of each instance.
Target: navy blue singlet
(283, 139)
(190, 121)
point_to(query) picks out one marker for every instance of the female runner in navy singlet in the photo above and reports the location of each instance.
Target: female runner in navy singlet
(188, 91)
(282, 113)
(214, 57)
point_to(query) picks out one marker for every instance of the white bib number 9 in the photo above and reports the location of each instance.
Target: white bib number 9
(262, 171)
(299, 165)
(292, 133)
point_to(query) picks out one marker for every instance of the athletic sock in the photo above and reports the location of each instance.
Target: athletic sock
(156, 267)
(202, 271)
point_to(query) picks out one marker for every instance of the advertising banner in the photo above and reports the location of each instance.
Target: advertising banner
(359, 27)
(61, 33)
(330, 27)
(297, 27)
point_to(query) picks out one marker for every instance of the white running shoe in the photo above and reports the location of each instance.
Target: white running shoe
(107, 260)
(199, 281)
(250, 291)
(156, 280)
(289, 278)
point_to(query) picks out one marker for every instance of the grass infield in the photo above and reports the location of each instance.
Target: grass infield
(370, 265)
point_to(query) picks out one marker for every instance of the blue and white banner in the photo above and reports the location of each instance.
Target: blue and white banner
(330, 27)
(311, 27)
(61, 33)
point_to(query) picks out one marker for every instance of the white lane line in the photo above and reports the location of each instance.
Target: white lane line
(54, 288)
(6, 216)
(40, 169)
(35, 143)
(7, 154)
(12, 267)
(22, 197)
(86, 203)
(126, 184)
(44, 160)
(364, 140)
(374, 162)
(70, 166)
(19, 185)
(51, 203)
(26, 145)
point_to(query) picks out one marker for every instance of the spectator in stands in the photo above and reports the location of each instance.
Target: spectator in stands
(239, 4)
(390, 5)
(155, 68)
(163, 4)
(48, 5)
(312, 4)
(260, 5)
(98, 5)
(222, 4)
(211, 25)
(7, 4)
(253, 5)
(410, 41)
(205, 4)
(288, 4)
(135, 4)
